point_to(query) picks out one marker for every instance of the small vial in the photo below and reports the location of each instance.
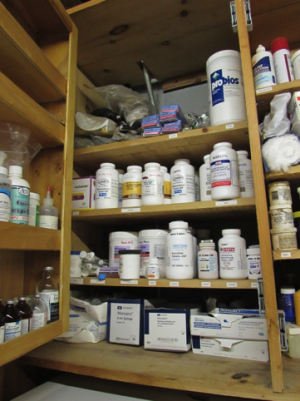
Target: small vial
(153, 269)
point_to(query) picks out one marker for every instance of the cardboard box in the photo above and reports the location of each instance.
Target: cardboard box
(168, 329)
(83, 193)
(125, 321)
(231, 348)
(229, 326)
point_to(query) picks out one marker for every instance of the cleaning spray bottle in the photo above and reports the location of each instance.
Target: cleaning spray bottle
(5, 191)
(48, 213)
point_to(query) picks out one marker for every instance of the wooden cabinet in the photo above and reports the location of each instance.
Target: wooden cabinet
(176, 39)
(38, 50)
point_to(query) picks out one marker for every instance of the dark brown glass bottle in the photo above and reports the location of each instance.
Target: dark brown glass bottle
(12, 321)
(26, 313)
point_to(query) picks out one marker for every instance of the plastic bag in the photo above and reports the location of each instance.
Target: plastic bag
(277, 123)
(87, 123)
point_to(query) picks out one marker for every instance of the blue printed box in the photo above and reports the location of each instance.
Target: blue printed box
(172, 127)
(152, 131)
(174, 108)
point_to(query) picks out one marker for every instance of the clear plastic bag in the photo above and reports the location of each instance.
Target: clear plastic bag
(277, 123)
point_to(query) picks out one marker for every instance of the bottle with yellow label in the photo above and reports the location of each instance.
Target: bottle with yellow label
(167, 185)
(132, 187)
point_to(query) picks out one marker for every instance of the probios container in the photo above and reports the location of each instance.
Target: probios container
(226, 88)
(254, 263)
(152, 244)
(180, 252)
(207, 260)
(282, 60)
(20, 190)
(121, 240)
(245, 174)
(280, 193)
(205, 182)
(183, 181)
(121, 175)
(263, 68)
(224, 172)
(107, 187)
(132, 187)
(152, 185)
(167, 185)
(232, 255)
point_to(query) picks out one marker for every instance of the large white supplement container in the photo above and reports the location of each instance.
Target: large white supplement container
(180, 260)
(152, 244)
(107, 187)
(121, 240)
(232, 255)
(167, 185)
(224, 172)
(207, 260)
(121, 175)
(226, 88)
(245, 174)
(183, 181)
(263, 68)
(205, 183)
(152, 185)
(132, 187)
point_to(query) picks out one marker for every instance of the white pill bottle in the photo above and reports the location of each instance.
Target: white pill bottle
(152, 185)
(208, 267)
(107, 187)
(167, 185)
(183, 181)
(132, 187)
(197, 186)
(254, 262)
(121, 175)
(245, 174)
(180, 260)
(205, 184)
(224, 172)
(232, 255)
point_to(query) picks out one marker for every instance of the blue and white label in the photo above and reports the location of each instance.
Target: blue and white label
(219, 84)
(12, 330)
(5, 204)
(19, 205)
(262, 72)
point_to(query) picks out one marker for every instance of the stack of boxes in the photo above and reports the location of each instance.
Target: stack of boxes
(171, 119)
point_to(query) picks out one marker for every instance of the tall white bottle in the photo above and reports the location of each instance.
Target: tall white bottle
(205, 183)
(20, 190)
(107, 187)
(48, 217)
(183, 181)
(245, 174)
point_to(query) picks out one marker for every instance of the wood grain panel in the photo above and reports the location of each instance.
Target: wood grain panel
(11, 274)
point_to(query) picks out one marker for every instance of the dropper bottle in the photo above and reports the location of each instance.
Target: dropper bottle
(48, 213)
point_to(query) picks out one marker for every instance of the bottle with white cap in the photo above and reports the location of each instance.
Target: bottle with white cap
(183, 181)
(121, 175)
(132, 187)
(208, 260)
(5, 191)
(245, 174)
(152, 185)
(107, 187)
(167, 185)
(20, 190)
(153, 269)
(48, 216)
(263, 68)
(205, 184)
(232, 255)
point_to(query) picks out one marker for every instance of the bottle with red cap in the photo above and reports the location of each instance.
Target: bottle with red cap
(282, 60)
(48, 213)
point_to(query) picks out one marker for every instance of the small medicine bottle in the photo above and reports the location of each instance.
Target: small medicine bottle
(286, 303)
(40, 313)
(153, 269)
(48, 289)
(207, 260)
(12, 321)
(26, 313)
(254, 262)
(48, 217)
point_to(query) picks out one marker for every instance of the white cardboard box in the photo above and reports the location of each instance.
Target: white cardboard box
(229, 326)
(83, 193)
(125, 321)
(231, 348)
(168, 329)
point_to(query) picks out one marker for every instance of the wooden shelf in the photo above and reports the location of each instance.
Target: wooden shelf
(207, 210)
(284, 255)
(165, 283)
(28, 238)
(180, 371)
(17, 107)
(193, 144)
(291, 175)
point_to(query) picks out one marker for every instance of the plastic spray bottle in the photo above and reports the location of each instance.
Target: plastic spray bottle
(48, 213)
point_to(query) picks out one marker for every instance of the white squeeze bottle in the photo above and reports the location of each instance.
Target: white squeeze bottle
(48, 213)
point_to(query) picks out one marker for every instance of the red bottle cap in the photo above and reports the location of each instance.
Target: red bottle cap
(279, 44)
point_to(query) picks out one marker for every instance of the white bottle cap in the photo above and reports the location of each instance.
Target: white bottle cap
(17, 170)
(139, 168)
(231, 231)
(120, 171)
(3, 156)
(206, 157)
(3, 170)
(48, 268)
(223, 145)
(35, 196)
(151, 165)
(242, 153)
(253, 251)
(153, 261)
(260, 49)
(163, 169)
(178, 224)
(111, 165)
(182, 161)
(287, 290)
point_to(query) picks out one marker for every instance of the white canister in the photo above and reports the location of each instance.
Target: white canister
(34, 209)
(281, 216)
(254, 263)
(205, 183)
(121, 240)
(245, 174)
(232, 255)
(197, 186)
(282, 60)
(226, 88)
(129, 268)
(263, 68)
(152, 185)
(75, 264)
(152, 244)
(121, 175)
(180, 259)
(224, 172)
(107, 187)
(284, 239)
(296, 64)
(132, 187)
(183, 181)
(280, 193)
(167, 185)
(153, 269)
(207, 260)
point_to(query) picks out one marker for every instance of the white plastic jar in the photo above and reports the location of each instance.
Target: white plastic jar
(183, 181)
(245, 174)
(167, 185)
(152, 244)
(121, 175)
(180, 261)
(197, 186)
(207, 260)
(132, 187)
(205, 183)
(224, 172)
(254, 263)
(263, 68)
(232, 255)
(129, 268)
(121, 240)
(152, 185)
(153, 269)
(281, 216)
(107, 187)
(284, 239)
(280, 193)
(34, 209)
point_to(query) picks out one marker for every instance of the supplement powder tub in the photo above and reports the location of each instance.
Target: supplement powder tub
(121, 240)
